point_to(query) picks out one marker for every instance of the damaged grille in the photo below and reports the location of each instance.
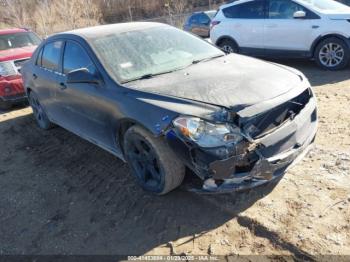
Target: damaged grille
(267, 122)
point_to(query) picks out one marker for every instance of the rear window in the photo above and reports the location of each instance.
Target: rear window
(18, 40)
(249, 10)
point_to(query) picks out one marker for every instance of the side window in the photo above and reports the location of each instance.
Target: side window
(249, 10)
(285, 9)
(38, 58)
(51, 55)
(75, 58)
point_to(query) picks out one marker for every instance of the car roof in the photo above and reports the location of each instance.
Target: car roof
(103, 30)
(12, 31)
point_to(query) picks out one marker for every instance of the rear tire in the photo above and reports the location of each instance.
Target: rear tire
(40, 116)
(332, 54)
(228, 46)
(5, 105)
(154, 165)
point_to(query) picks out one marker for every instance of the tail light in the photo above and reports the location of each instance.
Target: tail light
(214, 23)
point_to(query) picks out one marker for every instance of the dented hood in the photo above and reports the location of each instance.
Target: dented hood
(232, 81)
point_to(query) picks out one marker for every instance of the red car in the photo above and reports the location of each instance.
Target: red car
(16, 47)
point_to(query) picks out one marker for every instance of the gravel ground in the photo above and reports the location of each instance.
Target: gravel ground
(62, 195)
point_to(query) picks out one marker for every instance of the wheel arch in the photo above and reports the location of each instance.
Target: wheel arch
(224, 37)
(324, 37)
(122, 126)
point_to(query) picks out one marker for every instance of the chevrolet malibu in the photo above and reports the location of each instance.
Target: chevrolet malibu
(165, 101)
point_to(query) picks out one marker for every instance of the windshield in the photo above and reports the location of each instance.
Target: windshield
(327, 5)
(18, 40)
(131, 55)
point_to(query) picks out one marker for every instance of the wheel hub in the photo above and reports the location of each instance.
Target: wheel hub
(145, 163)
(331, 55)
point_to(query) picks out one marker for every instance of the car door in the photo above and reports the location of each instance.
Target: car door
(245, 24)
(284, 32)
(45, 82)
(86, 111)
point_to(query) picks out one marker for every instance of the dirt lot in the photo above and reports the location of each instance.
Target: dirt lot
(62, 195)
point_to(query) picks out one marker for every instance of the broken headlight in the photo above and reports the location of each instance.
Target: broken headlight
(207, 134)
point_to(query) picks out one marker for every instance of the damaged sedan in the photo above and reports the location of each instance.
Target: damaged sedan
(166, 101)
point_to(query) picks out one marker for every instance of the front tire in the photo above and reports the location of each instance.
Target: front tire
(332, 54)
(40, 116)
(154, 165)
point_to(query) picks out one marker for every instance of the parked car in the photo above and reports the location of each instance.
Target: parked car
(164, 100)
(16, 47)
(318, 29)
(199, 23)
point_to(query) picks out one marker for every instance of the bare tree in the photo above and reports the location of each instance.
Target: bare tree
(17, 12)
(178, 6)
(54, 16)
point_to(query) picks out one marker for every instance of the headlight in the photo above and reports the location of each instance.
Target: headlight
(7, 69)
(207, 134)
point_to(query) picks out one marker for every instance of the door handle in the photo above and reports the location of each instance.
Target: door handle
(35, 76)
(63, 86)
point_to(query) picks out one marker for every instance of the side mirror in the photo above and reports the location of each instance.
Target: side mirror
(299, 15)
(82, 75)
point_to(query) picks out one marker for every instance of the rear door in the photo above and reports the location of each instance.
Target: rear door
(245, 23)
(284, 32)
(45, 80)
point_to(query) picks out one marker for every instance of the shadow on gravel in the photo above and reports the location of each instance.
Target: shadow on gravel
(15, 107)
(62, 195)
(316, 75)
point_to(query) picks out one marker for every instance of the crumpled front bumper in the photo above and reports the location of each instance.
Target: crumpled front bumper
(300, 134)
(264, 171)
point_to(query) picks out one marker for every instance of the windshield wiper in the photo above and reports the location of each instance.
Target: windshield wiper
(148, 76)
(206, 59)
(151, 75)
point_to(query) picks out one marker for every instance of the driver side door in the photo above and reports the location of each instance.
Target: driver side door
(85, 106)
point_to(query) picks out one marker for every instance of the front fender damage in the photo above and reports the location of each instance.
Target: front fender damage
(253, 161)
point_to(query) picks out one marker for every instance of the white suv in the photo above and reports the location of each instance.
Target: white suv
(318, 29)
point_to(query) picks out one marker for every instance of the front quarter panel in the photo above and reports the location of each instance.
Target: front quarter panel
(156, 112)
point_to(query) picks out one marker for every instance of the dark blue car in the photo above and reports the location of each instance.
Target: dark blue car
(165, 101)
(199, 23)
